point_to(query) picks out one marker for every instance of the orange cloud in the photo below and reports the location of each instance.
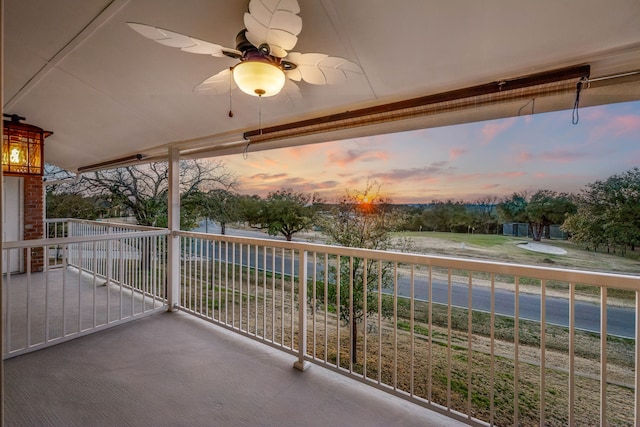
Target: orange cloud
(454, 153)
(344, 158)
(268, 177)
(494, 128)
(524, 157)
(626, 124)
(563, 156)
(303, 150)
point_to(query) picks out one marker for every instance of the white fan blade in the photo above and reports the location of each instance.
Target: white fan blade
(286, 5)
(181, 41)
(293, 74)
(320, 69)
(274, 22)
(217, 84)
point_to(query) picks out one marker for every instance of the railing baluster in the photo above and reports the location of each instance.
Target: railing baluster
(412, 332)
(352, 322)
(121, 245)
(47, 298)
(65, 263)
(313, 301)
(273, 294)
(603, 356)
(326, 310)
(301, 364)
(395, 324)
(282, 285)
(572, 361)
(233, 283)
(240, 281)
(492, 349)
(256, 282)
(543, 348)
(28, 337)
(338, 293)
(292, 293)
(469, 342)
(264, 292)
(516, 353)
(430, 354)
(206, 282)
(94, 285)
(449, 362)
(379, 322)
(81, 264)
(365, 294)
(636, 390)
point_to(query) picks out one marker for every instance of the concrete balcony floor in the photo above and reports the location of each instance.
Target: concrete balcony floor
(172, 369)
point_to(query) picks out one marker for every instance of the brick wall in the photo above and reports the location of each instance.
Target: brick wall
(34, 218)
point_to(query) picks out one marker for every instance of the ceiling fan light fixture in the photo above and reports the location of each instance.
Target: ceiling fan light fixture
(259, 78)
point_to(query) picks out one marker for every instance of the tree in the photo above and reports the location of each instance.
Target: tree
(64, 198)
(219, 205)
(359, 220)
(143, 190)
(542, 209)
(608, 213)
(483, 215)
(283, 212)
(447, 216)
(73, 205)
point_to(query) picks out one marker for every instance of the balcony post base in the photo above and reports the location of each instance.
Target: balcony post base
(301, 366)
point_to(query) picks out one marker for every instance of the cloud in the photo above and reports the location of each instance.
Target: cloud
(268, 177)
(490, 186)
(343, 158)
(563, 156)
(494, 128)
(628, 124)
(616, 126)
(257, 162)
(523, 157)
(454, 153)
(428, 173)
(475, 179)
(303, 150)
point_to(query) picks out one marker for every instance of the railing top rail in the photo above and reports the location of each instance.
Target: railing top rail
(103, 223)
(619, 281)
(82, 239)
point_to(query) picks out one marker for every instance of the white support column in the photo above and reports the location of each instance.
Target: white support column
(173, 243)
(301, 364)
(2, 322)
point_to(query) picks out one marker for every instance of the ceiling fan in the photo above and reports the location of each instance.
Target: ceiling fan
(266, 66)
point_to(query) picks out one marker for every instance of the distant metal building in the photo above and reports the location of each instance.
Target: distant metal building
(521, 229)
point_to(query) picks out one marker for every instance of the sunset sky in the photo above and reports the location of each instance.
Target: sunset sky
(464, 162)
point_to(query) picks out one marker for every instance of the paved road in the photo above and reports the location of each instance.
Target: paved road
(620, 320)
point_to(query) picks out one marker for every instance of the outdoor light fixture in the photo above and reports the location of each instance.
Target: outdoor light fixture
(22, 147)
(259, 78)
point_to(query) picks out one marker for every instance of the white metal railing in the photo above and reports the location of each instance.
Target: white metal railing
(483, 342)
(86, 277)
(70, 227)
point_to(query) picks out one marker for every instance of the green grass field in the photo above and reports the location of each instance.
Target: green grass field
(506, 249)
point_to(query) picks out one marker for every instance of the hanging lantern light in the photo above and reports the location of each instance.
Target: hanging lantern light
(22, 147)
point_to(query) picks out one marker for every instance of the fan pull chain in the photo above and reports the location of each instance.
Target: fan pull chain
(260, 113)
(245, 152)
(230, 98)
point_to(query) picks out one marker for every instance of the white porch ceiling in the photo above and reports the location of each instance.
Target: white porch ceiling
(74, 67)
